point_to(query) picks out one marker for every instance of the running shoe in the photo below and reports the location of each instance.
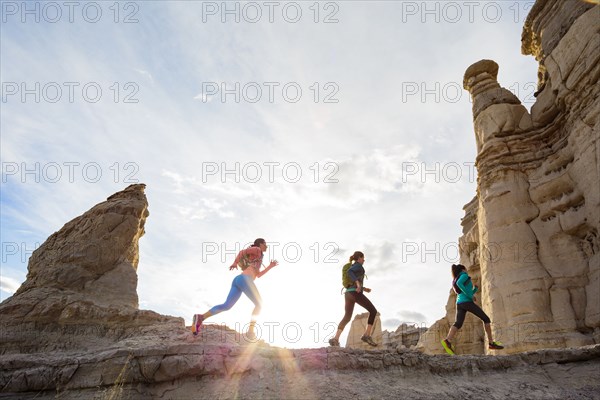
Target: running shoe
(334, 342)
(368, 339)
(197, 323)
(495, 346)
(448, 347)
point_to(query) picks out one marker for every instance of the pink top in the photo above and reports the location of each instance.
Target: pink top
(255, 257)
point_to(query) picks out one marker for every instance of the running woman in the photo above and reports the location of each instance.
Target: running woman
(466, 302)
(354, 294)
(250, 261)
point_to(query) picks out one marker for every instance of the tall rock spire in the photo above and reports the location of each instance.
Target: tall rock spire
(532, 232)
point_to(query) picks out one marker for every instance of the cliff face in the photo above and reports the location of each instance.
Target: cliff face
(94, 253)
(531, 232)
(81, 283)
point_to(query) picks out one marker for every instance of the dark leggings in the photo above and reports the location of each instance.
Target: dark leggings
(461, 312)
(352, 298)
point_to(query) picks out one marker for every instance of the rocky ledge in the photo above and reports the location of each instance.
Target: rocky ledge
(65, 335)
(175, 365)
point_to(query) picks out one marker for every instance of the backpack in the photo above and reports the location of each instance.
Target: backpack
(346, 281)
(455, 286)
(245, 262)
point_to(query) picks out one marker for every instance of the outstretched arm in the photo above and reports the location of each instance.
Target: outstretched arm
(264, 271)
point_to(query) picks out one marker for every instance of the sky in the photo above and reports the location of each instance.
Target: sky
(323, 127)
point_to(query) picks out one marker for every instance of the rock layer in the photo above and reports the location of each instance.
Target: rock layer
(531, 233)
(179, 366)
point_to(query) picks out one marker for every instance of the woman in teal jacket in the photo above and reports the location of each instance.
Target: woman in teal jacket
(465, 302)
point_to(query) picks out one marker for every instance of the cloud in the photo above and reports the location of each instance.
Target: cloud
(9, 285)
(408, 316)
(343, 184)
(203, 97)
(145, 74)
(383, 256)
(366, 177)
(204, 207)
(391, 323)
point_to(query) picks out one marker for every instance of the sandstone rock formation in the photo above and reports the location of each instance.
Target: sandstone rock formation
(357, 329)
(406, 336)
(66, 334)
(531, 232)
(81, 283)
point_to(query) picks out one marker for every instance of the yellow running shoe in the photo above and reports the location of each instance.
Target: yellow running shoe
(495, 346)
(448, 347)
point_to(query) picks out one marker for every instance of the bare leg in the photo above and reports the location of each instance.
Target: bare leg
(369, 330)
(451, 333)
(251, 326)
(251, 335)
(488, 331)
(338, 334)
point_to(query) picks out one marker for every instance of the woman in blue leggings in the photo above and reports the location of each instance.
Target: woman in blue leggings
(250, 261)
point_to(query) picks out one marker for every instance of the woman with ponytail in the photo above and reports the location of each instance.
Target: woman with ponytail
(250, 261)
(465, 302)
(354, 294)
